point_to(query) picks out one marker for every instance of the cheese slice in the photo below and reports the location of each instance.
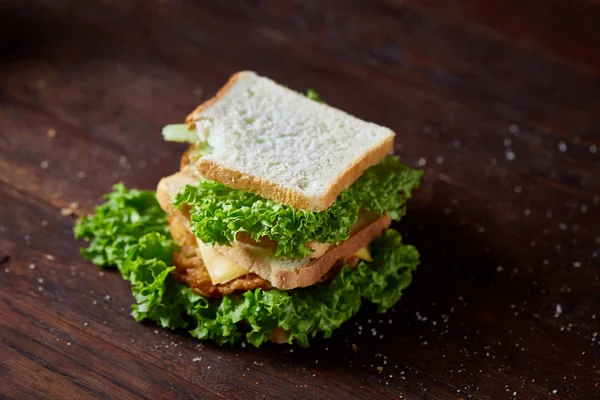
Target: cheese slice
(364, 254)
(220, 268)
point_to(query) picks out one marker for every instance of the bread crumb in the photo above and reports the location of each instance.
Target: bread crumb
(354, 347)
(81, 174)
(50, 257)
(73, 209)
(51, 133)
(379, 369)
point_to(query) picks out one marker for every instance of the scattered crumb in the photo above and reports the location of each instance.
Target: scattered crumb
(379, 369)
(50, 257)
(73, 209)
(562, 147)
(51, 133)
(354, 347)
(558, 311)
(196, 359)
(81, 174)
(260, 364)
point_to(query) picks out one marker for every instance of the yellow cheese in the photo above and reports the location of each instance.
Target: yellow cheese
(364, 254)
(220, 268)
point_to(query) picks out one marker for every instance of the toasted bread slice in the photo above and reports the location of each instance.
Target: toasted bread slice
(281, 145)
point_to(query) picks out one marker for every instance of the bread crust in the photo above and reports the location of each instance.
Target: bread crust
(190, 120)
(311, 272)
(272, 190)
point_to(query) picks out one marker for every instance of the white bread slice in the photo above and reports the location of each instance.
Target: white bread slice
(281, 145)
(280, 272)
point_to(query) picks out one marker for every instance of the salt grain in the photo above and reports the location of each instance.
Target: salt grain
(421, 162)
(439, 160)
(593, 149)
(576, 264)
(507, 142)
(32, 266)
(562, 147)
(510, 155)
(51, 133)
(45, 164)
(518, 189)
(527, 212)
(558, 311)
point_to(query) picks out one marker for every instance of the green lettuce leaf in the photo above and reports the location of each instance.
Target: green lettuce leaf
(118, 224)
(142, 248)
(219, 213)
(313, 95)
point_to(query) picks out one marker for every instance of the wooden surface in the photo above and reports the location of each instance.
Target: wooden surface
(499, 102)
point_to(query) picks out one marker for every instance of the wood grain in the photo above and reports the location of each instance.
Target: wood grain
(497, 101)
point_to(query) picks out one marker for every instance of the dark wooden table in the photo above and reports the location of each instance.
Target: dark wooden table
(498, 101)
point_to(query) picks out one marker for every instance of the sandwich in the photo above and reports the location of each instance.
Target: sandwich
(275, 228)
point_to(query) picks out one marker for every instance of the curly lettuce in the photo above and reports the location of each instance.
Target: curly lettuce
(218, 213)
(129, 231)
